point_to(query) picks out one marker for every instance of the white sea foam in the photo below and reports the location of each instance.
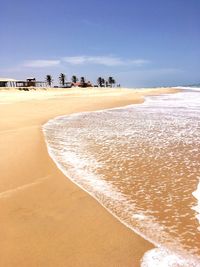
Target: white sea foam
(190, 88)
(105, 154)
(161, 257)
(196, 194)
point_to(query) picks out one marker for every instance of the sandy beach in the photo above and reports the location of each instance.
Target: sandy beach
(46, 220)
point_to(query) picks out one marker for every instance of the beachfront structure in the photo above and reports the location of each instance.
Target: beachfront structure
(82, 84)
(7, 82)
(31, 82)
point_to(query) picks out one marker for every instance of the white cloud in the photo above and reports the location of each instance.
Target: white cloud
(104, 60)
(138, 62)
(110, 61)
(41, 63)
(75, 60)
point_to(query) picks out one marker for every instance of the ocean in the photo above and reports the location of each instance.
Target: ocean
(142, 163)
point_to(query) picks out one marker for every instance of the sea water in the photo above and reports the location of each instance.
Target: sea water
(141, 162)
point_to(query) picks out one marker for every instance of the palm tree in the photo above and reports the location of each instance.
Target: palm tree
(82, 80)
(49, 80)
(111, 81)
(99, 81)
(62, 79)
(74, 79)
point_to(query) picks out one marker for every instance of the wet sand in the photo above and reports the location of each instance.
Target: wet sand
(45, 219)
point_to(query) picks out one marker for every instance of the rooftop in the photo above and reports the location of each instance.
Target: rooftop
(7, 80)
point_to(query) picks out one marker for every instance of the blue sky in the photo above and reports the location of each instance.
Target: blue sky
(139, 42)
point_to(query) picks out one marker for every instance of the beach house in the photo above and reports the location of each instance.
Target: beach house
(7, 82)
(30, 82)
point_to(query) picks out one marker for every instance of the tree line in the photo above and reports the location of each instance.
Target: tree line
(101, 82)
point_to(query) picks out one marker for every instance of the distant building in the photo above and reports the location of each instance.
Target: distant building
(31, 82)
(82, 84)
(68, 85)
(7, 82)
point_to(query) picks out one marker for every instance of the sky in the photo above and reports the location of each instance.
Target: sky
(140, 43)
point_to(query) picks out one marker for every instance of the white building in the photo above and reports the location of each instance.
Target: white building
(7, 82)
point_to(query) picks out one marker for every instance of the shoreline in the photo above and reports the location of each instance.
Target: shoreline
(46, 219)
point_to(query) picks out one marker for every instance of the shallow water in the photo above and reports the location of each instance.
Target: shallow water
(142, 163)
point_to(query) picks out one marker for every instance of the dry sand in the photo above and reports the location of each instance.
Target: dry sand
(45, 219)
